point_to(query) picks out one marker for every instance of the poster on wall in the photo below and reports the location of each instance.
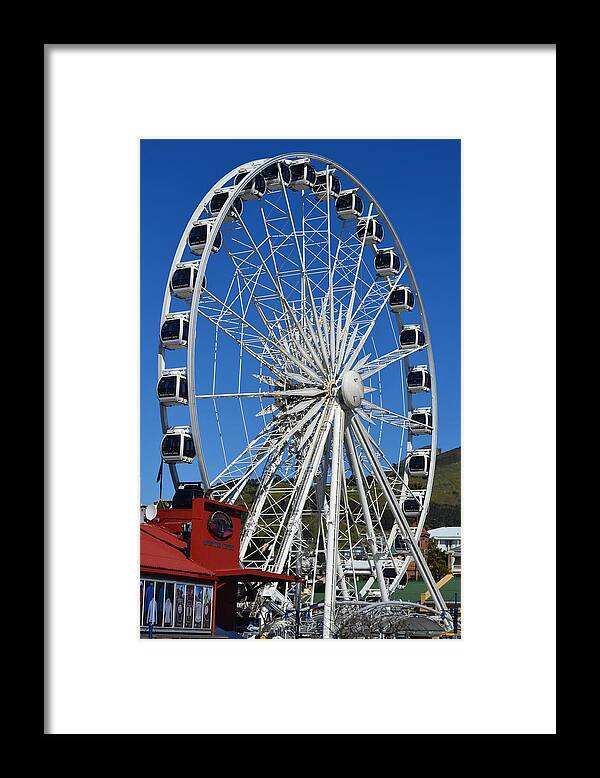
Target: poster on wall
(179, 604)
(148, 600)
(198, 604)
(189, 605)
(169, 600)
(160, 602)
(207, 609)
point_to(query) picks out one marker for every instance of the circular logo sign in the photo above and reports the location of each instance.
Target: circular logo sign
(220, 525)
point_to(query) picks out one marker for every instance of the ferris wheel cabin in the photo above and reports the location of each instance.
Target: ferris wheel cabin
(420, 421)
(348, 205)
(369, 230)
(387, 263)
(303, 175)
(277, 176)
(217, 203)
(183, 280)
(199, 235)
(172, 387)
(175, 330)
(320, 190)
(401, 544)
(417, 464)
(255, 188)
(402, 299)
(177, 446)
(412, 336)
(419, 379)
(412, 505)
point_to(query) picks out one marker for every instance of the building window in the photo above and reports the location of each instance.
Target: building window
(176, 605)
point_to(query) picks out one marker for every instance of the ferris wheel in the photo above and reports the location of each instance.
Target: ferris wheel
(293, 339)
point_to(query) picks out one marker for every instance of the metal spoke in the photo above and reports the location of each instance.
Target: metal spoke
(349, 313)
(286, 308)
(388, 359)
(372, 411)
(307, 357)
(305, 480)
(348, 362)
(280, 436)
(264, 340)
(308, 285)
(363, 306)
(306, 392)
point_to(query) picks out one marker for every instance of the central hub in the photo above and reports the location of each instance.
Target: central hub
(352, 389)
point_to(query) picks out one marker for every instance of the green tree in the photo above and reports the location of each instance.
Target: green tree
(436, 561)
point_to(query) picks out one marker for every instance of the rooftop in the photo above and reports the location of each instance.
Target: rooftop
(163, 552)
(414, 589)
(450, 533)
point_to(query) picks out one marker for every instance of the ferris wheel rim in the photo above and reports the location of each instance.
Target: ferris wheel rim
(255, 167)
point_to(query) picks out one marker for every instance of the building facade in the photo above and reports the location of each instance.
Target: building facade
(446, 538)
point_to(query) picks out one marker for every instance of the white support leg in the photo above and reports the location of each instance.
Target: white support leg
(401, 521)
(360, 487)
(333, 522)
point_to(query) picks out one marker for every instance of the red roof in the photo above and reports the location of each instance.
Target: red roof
(163, 534)
(161, 551)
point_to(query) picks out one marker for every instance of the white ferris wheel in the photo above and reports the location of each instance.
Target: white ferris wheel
(296, 375)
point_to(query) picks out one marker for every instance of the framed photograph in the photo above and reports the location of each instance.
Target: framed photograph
(296, 351)
(297, 291)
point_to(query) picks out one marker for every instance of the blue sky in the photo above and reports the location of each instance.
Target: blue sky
(418, 186)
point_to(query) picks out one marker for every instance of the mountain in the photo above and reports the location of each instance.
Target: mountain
(444, 509)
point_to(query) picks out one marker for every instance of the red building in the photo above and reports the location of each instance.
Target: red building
(189, 570)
